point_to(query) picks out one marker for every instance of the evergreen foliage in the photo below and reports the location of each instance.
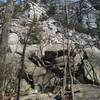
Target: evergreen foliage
(52, 10)
(80, 28)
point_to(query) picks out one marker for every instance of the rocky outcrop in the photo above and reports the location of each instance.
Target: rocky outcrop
(84, 92)
(44, 62)
(93, 61)
(87, 92)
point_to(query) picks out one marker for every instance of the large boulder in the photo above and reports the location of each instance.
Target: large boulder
(87, 92)
(93, 62)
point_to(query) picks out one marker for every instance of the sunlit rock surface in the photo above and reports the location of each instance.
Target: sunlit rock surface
(53, 38)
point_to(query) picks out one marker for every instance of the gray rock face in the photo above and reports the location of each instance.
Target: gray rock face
(94, 57)
(52, 37)
(88, 92)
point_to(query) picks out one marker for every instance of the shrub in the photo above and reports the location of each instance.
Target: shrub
(43, 18)
(80, 28)
(52, 10)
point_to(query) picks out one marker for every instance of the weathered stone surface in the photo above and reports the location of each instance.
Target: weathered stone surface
(94, 60)
(25, 87)
(52, 41)
(87, 92)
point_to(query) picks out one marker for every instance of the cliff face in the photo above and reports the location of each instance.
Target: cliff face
(44, 64)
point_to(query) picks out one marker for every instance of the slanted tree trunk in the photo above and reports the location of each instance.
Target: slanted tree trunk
(4, 43)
